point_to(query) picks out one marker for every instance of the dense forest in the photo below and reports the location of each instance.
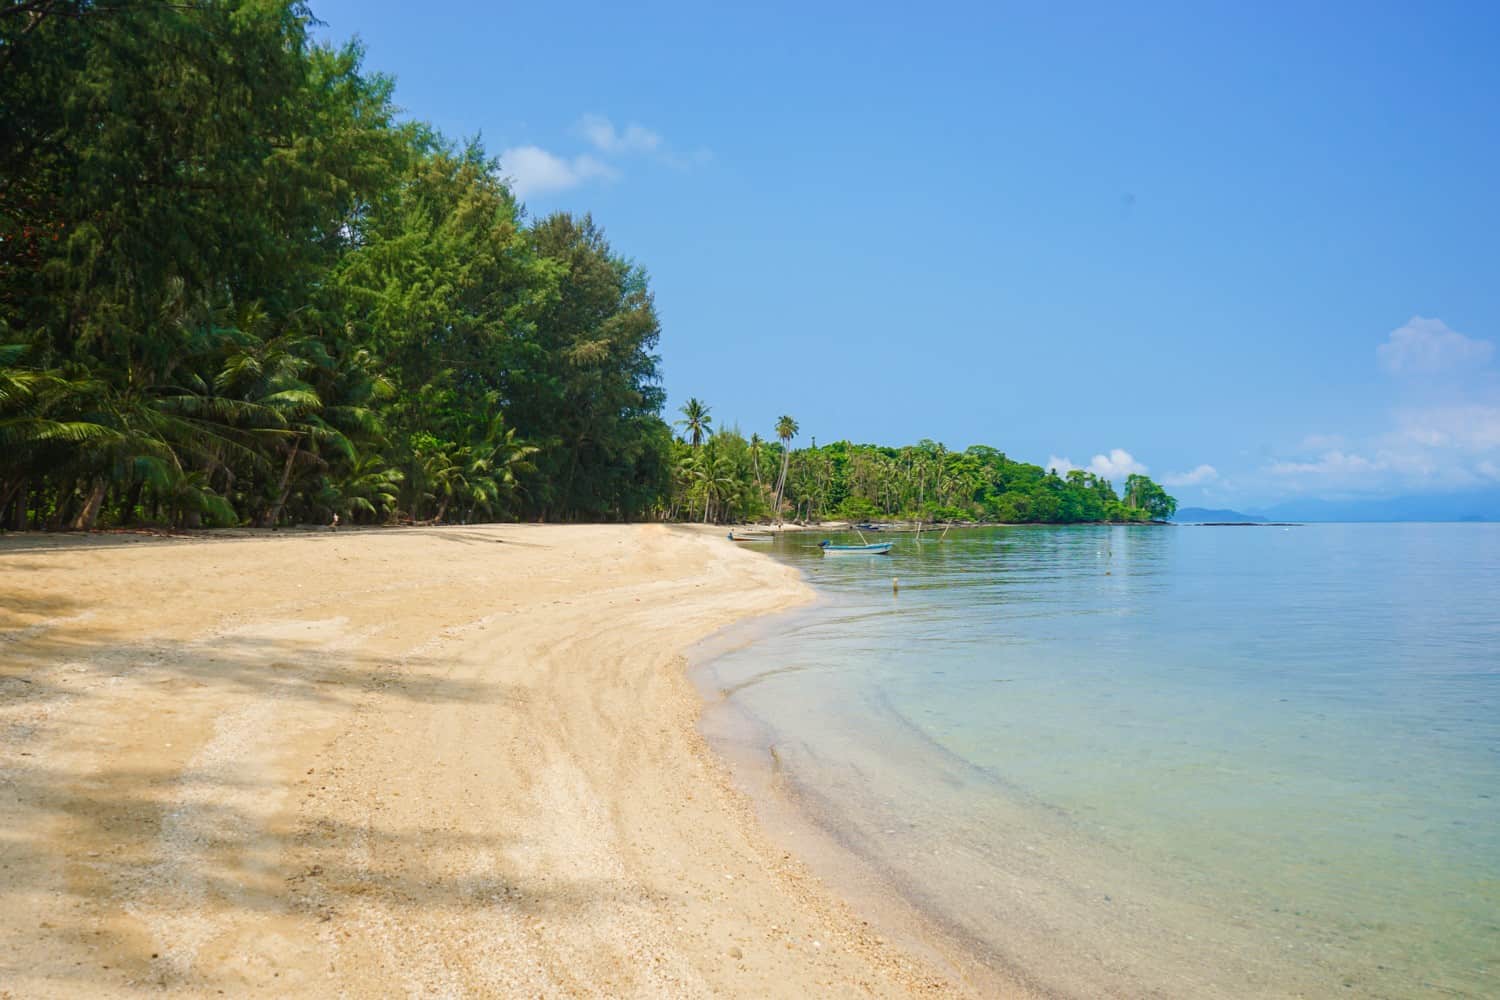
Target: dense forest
(237, 287)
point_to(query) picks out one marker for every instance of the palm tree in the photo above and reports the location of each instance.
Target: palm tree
(42, 423)
(696, 420)
(715, 472)
(493, 464)
(687, 478)
(786, 429)
(371, 487)
(755, 443)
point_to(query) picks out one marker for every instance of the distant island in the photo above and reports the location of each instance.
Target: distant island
(1217, 515)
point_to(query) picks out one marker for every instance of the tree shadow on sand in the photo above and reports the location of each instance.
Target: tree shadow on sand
(42, 542)
(323, 869)
(73, 658)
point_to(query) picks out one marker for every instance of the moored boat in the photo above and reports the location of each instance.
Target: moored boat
(750, 538)
(872, 549)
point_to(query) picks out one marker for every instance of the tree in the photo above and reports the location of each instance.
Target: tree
(586, 380)
(786, 430)
(755, 450)
(695, 420)
(1144, 495)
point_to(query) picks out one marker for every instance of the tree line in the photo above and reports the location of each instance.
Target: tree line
(235, 288)
(721, 475)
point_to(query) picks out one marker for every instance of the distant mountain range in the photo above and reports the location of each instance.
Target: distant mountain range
(1200, 515)
(1481, 505)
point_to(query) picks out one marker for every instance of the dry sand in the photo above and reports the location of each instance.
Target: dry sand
(436, 762)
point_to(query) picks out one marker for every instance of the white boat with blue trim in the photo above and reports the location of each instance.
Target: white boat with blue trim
(872, 549)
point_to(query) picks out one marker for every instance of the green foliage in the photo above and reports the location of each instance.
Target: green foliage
(925, 482)
(1141, 494)
(233, 289)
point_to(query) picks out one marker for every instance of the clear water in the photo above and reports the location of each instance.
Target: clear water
(1160, 761)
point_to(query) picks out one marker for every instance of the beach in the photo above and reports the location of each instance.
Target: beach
(429, 761)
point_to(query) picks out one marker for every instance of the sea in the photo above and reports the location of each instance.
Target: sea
(1176, 761)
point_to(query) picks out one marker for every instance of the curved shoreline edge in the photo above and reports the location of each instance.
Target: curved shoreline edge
(461, 760)
(799, 818)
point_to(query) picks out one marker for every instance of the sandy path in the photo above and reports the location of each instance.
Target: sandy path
(437, 762)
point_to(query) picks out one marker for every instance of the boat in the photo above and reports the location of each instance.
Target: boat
(867, 526)
(872, 549)
(750, 538)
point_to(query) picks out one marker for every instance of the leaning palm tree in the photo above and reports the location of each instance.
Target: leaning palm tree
(755, 447)
(786, 429)
(696, 420)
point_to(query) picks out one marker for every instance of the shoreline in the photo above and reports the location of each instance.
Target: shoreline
(461, 759)
(911, 527)
(796, 818)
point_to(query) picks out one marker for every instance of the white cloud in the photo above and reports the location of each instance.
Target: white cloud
(1197, 477)
(1471, 427)
(1431, 449)
(1449, 441)
(1336, 466)
(1425, 346)
(532, 170)
(603, 135)
(1061, 466)
(1118, 464)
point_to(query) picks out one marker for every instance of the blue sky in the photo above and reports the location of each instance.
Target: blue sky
(1254, 249)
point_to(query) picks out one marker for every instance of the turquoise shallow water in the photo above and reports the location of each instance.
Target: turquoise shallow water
(1174, 761)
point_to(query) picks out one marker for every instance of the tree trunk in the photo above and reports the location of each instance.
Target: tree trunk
(62, 506)
(91, 507)
(131, 502)
(442, 509)
(13, 505)
(781, 483)
(30, 496)
(286, 485)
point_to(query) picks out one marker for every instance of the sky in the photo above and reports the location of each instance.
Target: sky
(1250, 249)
